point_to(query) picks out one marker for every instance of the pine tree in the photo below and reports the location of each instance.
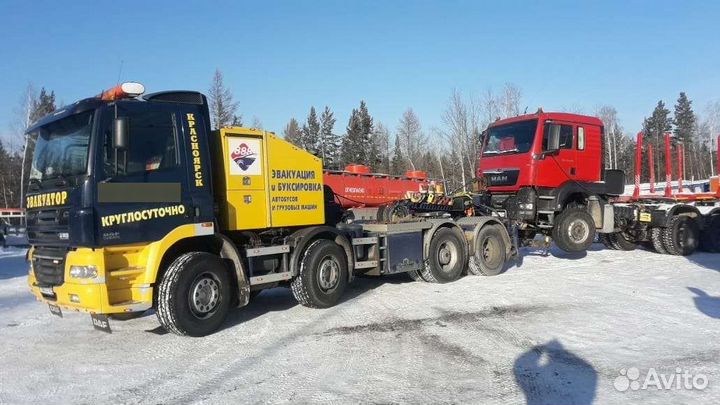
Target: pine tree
(354, 144)
(223, 110)
(329, 142)
(311, 133)
(685, 131)
(654, 129)
(293, 133)
(397, 163)
(43, 105)
(685, 120)
(372, 156)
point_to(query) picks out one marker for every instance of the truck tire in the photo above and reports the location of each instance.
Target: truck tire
(620, 241)
(323, 275)
(416, 275)
(605, 239)
(194, 295)
(656, 238)
(446, 258)
(490, 252)
(710, 236)
(574, 230)
(681, 237)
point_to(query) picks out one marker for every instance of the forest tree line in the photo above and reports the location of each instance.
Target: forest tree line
(447, 152)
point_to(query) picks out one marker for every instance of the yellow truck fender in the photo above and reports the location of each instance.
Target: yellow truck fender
(230, 252)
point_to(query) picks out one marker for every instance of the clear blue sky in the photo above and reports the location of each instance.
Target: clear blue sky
(281, 57)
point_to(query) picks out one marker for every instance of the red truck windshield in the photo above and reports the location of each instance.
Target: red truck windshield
(511, 138)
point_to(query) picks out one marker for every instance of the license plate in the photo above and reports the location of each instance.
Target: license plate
(55, 310)
(101, 322)
(645, 217)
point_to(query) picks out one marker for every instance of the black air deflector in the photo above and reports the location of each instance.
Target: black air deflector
(185, 97)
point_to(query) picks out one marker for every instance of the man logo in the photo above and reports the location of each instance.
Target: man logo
(243, 156)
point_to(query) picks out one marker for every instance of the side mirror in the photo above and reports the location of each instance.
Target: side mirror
(121, 137)
(554, 139)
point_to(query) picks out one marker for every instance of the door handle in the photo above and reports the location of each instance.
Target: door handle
(572, 171)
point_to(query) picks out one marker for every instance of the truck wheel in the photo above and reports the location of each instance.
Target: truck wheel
(194, 295)
(605, 239)
(323, 275)
(710, 236)
(416, 275)
(446, 258)
(621, 242)
(681, 237)
(656, 238)
(574, 230)
(490, 252)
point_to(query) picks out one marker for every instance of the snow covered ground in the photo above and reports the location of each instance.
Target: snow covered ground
(557, 329)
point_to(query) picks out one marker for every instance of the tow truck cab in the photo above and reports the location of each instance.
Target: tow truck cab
(537, 165)
(92, 192)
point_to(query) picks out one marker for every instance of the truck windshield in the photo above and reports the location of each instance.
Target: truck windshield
(511, 138)
(61, 148)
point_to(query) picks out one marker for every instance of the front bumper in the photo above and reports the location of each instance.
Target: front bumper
(114, 290)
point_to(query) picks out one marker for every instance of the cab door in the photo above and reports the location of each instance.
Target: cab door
(589, 153)
(142, 191)
(560, 165)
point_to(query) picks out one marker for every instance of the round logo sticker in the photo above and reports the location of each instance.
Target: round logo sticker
(243, 156)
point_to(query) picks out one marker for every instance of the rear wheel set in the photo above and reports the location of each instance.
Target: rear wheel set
(490, 252)
(680, 237)
(710, 236)
(446, 259)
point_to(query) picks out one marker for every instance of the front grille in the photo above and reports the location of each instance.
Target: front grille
(45, 226)
(49, 265)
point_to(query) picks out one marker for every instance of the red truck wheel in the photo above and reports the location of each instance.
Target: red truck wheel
(710, 236)
(656, 237)
(682, 235)
(574, 230)
(620, 241)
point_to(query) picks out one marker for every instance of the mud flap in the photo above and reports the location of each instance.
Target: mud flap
(55, 310)
(101, 322)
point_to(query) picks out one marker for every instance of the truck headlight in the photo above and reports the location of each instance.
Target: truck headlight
(83, 271)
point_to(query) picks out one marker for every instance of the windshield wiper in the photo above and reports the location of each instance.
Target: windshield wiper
(491, 152)
(513, 150)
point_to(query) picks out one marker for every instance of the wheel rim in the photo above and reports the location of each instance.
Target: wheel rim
(328, 274)
(578, 231)
(447, 256)
(204, 295)
(487, 247)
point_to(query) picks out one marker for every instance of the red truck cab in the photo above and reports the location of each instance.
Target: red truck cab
(547, 171)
